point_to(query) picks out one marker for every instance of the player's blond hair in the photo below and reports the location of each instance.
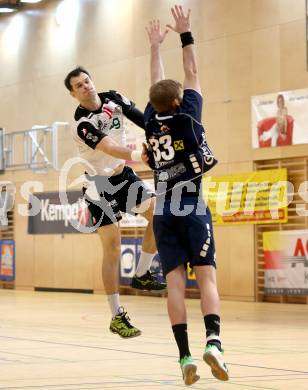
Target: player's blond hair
(163, 95)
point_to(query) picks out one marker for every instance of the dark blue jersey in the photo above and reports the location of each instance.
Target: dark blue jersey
(178, 151)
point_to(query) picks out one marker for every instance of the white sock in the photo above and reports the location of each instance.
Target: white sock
(114, 303)
(145, 262)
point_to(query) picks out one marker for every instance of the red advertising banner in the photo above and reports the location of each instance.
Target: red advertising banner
(286, 262)
(7, 260)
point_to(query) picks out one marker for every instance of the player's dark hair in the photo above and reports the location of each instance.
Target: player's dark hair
(163, 94)
(74, 73)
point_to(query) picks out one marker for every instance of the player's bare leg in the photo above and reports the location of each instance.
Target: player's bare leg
(111, 243)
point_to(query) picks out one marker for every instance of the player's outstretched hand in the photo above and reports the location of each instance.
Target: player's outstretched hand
(156, 36)
(182, 22)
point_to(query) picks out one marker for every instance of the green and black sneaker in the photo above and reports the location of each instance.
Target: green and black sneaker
(148, 282)
(120, 324)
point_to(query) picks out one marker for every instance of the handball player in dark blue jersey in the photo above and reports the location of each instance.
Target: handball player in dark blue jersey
(178, 153)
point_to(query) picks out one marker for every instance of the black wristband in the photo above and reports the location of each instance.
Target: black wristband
(186, 38)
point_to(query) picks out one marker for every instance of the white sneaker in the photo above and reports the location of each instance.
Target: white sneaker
(189, 370)
(213, 357)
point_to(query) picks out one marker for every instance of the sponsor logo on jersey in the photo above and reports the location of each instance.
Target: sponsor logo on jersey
(163, 176)
(164, 128)
(92, 137)
(171, 173)
(160, 164)
(103, 125)
(116, 123)
(209, 159)
(178, 145)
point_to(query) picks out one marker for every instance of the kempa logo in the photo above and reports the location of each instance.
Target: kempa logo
(63, 212)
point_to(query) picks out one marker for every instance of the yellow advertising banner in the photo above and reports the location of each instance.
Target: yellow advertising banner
(190, 273)
(248, 198)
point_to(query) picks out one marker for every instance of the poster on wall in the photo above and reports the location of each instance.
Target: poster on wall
(248, 197)
(286, 262)
(7, 260)
(280, 119)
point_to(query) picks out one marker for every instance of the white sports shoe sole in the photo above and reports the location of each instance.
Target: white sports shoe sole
(214, 359)
(189, 374)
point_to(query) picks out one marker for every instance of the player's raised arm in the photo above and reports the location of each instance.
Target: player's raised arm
(182, 27)
(156, 38)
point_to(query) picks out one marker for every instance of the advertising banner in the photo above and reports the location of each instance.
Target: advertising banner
(52, 217)
(7, 260)
(191, 278)
(280, 119)
(286, 262)
(247, 198)
(129, 221)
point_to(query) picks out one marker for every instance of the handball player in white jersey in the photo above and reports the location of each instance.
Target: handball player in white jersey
(100, 136)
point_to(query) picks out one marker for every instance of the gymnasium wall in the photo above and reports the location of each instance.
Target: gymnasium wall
(245, 48)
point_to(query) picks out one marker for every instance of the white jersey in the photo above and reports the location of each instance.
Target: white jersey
(92, 126)
(103, 163)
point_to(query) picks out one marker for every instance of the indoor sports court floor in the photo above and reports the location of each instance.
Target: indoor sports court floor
(61, 341)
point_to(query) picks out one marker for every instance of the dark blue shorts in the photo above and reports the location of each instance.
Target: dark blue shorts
(184, 239)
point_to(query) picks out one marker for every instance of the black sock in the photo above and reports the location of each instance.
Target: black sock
(181, 338)
(212, 326)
